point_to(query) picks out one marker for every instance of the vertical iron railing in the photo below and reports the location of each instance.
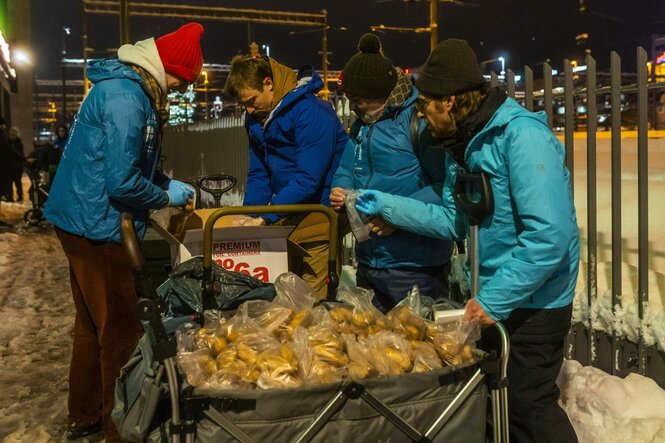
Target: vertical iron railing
(615, 109)
(547, 93)
(592, 256)
(528, 88)
(642, 201)
(569, 119)
(586, 342)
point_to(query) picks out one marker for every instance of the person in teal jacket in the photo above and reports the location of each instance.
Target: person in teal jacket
(109, 166)
(380, 154)
(528, 245)
(295, 144)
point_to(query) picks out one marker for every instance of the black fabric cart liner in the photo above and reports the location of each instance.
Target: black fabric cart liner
(283, 415)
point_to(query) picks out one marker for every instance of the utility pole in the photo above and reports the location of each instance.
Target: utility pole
(432, 29)
(433, 24)
(124, 22)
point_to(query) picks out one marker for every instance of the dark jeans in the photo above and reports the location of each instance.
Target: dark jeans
(16, 176)
(106, 327)
(391, 285)
(536, 355)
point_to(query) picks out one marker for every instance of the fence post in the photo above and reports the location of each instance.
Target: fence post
(642, 200)
(592, 247)
(618, 242)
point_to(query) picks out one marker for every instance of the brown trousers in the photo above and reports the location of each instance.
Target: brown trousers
(106, 327)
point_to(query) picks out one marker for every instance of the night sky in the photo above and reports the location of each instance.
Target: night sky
(522, 31)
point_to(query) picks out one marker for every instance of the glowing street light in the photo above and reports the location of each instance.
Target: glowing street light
(503, 65)
(21, 57)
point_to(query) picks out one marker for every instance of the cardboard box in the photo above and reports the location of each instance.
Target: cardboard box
(260, 251)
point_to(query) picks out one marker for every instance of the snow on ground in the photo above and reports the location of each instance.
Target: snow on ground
(608, 409)
(36, 321)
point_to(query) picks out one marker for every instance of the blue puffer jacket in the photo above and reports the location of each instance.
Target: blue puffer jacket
(529, 246)
(295, 153)
(381, 156)
(110, 161)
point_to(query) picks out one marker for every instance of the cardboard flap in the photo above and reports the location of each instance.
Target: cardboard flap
(295, 250)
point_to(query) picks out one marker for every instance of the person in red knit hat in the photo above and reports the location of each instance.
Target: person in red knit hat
(109, 166)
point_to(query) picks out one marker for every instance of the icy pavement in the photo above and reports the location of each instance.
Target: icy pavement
(36, 321)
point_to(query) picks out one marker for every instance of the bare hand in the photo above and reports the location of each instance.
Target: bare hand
(474, 310)
(337, 198)
(380, 227)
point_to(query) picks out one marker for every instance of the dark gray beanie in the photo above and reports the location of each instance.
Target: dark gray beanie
(368, 73)
(451, 68)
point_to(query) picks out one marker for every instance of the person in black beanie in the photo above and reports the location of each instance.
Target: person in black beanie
(528, 245)
(386, 151)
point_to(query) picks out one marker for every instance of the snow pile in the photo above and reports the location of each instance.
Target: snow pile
(623, 318)
(605, 408)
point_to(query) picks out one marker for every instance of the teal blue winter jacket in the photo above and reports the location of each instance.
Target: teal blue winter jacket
(109, 164)
(529, 246)
(381, 156)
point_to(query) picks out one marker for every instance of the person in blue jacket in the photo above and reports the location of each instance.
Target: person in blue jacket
(528, 245)
(380, 154)
(109, 166)
(295, 143)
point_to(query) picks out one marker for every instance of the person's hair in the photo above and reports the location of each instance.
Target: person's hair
(466, 103)
(247, 72)
(15, 130)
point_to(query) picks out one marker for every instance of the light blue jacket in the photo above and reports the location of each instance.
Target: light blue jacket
(381, 156)
(109, 164)
(529, 246)
(293, 155)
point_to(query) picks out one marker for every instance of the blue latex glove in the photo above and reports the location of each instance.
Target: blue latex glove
(179, 193)
(373, 202)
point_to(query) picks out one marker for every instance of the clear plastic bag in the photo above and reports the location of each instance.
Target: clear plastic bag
(269, 316)
(455, 341)
(359, 363)
(405, 318)
(197, 366)
(425, 357)
(293, 292)
(278, 367)
(357, 221)
(389, 353)
(365, 317)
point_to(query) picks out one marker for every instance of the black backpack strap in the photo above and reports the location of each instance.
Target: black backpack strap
(417, 145)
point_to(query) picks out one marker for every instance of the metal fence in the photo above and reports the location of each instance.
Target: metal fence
(220, 146)
(215, 146)
(591, 346)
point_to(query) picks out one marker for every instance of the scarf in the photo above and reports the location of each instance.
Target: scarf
(400, 93)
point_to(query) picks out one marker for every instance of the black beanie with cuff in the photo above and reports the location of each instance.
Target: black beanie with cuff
(451, 68)
(368, 73)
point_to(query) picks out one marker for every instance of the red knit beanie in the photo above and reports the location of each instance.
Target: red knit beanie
(180, 51)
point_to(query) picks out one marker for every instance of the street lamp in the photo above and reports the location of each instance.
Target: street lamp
(503, 65)
(65, 32)
(492, 60)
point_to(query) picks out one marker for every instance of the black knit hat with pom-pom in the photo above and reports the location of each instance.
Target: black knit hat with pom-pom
(368, 73)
